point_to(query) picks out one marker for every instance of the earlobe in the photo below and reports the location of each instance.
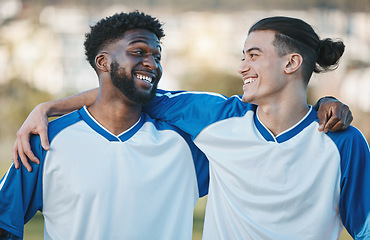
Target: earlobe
(101, 62)
(294, 63)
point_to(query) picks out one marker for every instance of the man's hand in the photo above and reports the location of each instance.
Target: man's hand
(36, 123)
(333, 115)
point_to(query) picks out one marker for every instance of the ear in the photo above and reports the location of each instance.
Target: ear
(102, 62)
(294, 62)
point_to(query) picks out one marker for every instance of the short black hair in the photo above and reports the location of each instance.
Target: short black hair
(111, 29)
(295, 35)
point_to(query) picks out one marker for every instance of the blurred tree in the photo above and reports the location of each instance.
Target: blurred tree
(212, 81)
(17, 99)
(215, 5)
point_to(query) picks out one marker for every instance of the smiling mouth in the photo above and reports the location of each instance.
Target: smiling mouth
(144, 77)
(249, 80)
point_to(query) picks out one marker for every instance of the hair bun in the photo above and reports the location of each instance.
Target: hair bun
(329, 52)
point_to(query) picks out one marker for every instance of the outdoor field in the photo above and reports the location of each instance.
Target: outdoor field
(34, 228)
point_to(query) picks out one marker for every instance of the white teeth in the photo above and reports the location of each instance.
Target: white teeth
(145, 78)
(249, 80)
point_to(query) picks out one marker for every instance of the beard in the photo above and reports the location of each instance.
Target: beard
(126, 84)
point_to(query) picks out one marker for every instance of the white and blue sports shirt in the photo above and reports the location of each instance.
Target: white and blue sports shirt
(142, 184)
(300, 184)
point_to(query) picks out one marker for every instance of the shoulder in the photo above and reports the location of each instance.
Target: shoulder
(210, 99)
(348, 137)
(63, 122)
(352, 146)
(159, 125)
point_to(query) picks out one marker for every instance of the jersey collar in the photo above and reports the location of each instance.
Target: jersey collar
(100, 129)
(288, 134)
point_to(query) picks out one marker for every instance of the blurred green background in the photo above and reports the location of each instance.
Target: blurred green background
(42, 56)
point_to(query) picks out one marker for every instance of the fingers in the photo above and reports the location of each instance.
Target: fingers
(334, 124)
(22, 148)
(44, 139)
(334, 118)
(348, 118)
(23, 157)
(323, 119)
(15, 155)
(340, 117)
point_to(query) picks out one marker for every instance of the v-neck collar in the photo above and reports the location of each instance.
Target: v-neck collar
(288, 134)
(100, 129)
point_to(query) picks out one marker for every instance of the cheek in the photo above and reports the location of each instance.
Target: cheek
(159, 71)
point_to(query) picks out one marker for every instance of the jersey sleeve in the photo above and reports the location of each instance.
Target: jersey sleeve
(201, 165)
(193, 111)
(354, 203)
(21, 194)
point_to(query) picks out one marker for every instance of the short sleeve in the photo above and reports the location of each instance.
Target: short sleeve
(21, 193)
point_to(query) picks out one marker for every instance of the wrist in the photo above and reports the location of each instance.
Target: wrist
(326, 98)
(322, 100)
(46, 109)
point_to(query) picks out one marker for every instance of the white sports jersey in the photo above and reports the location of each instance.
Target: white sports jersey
(142, 184)
(298, 185)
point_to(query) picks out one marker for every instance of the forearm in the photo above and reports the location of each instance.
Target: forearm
(68, 104)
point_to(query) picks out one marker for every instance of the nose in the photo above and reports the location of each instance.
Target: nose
(150, 62)
(243, 67)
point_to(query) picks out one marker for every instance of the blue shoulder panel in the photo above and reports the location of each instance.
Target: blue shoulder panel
(355, 181)
(20, 190)
(193, 111)
(21, 193)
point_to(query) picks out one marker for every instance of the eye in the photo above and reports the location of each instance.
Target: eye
(157, 58)
(252, 55)
(138, 52)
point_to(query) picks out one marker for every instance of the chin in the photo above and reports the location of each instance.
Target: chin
(246, 99)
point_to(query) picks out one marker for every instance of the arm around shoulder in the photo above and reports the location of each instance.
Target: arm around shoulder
(37, 123)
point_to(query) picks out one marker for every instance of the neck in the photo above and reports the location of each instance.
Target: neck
(117, 114)
(278, 115)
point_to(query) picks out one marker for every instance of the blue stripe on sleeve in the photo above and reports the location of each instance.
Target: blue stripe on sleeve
(200, 160)
(21, 193)
(354, 200)
(20, 190)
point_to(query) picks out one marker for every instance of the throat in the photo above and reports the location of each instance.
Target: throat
(280, 120)
(116, 120)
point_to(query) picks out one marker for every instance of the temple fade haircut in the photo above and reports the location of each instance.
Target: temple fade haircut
(112, 29)
(293, 35)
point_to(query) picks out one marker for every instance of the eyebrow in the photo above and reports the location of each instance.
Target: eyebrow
(251, 49)
(142, 41)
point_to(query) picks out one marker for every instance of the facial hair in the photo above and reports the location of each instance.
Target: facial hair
(126, 84)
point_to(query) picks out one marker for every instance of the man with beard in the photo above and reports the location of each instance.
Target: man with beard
(112, 171)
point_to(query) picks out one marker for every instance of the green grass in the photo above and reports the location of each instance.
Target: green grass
(34, 229)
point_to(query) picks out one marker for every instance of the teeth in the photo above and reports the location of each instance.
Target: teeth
(145, 78)
(249, 80)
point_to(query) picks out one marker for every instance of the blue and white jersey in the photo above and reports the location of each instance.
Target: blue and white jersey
(142, 184)
(300, 184)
